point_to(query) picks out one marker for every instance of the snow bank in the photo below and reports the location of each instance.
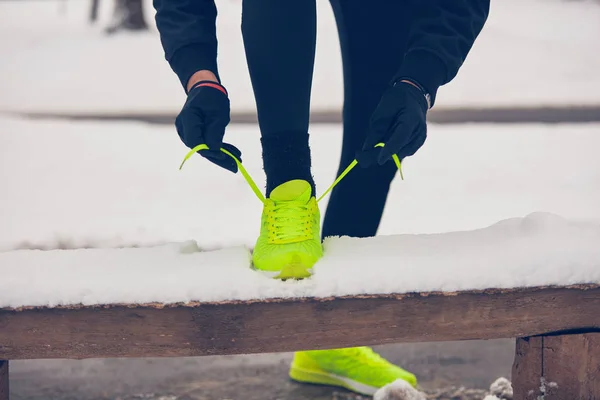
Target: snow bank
(540, 249)
(531, 52)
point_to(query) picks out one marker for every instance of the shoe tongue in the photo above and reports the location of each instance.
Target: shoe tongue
(297, 190)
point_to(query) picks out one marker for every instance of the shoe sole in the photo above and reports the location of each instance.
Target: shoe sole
(324, 378)
(290, 271)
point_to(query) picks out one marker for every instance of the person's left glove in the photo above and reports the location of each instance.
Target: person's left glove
(203, 120)
(399, 121)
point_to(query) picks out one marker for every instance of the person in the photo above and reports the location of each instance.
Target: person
(395, 55)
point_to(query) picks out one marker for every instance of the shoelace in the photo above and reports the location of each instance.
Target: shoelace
(258, 192)
(289, 220)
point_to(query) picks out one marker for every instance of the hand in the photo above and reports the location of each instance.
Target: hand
(399, 122)
(203, 119)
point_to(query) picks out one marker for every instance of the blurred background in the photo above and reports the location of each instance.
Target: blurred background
(89, 157)
(104, 57)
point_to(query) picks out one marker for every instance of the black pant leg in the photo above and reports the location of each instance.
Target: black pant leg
(279, 39)
(373, 38)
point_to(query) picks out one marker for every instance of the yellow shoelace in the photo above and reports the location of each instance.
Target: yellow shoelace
(258, 192)
(289, 221)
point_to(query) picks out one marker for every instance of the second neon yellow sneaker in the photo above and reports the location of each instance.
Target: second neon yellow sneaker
(290, 235)
(359, 369)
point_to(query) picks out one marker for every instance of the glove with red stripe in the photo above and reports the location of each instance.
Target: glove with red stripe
(203, 119)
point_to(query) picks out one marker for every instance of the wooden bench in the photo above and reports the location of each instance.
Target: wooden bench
(557, 330)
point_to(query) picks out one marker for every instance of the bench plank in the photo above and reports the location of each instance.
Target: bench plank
(287, 325)
(557, 367)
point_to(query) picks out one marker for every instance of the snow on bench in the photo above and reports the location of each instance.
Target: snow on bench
(522, 276)
(518, 278)
(538, 250)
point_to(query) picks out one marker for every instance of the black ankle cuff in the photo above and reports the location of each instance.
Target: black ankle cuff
(286, 156)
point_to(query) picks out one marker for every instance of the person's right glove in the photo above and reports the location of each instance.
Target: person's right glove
(399, 122)
(203, 119)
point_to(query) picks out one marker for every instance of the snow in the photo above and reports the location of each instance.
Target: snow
(544, 386)
(501, 389)
(157, 234)
(531, 52)
(71, 185)
(398, 390)
(540, 249)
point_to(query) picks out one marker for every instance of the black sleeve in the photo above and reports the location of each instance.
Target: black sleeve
(188, 35)
(441, 36)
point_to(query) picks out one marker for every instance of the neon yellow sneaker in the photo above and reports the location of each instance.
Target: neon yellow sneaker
(290, 235)
(359, 369)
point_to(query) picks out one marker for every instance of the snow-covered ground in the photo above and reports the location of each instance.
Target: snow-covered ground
(531, 52)
(114, 185)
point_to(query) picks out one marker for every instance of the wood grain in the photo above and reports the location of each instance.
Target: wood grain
(3, 380)
(562, 367)
(527, 368)
(573, 362)
(288, 325)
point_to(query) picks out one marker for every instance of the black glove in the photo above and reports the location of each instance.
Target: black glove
(203, 119)
(398, 122)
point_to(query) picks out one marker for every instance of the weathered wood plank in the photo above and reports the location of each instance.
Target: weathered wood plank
(557, 367)
(3, 380)
(527, 368)
(573, 362)
(288, 325)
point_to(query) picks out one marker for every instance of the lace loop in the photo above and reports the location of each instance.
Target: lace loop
(245, 173)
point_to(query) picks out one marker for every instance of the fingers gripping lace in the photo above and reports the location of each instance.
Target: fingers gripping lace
(254, 186)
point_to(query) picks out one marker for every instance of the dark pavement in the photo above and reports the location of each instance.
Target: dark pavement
(474, 364)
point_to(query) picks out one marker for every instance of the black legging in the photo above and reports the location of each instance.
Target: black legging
(279, 39)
